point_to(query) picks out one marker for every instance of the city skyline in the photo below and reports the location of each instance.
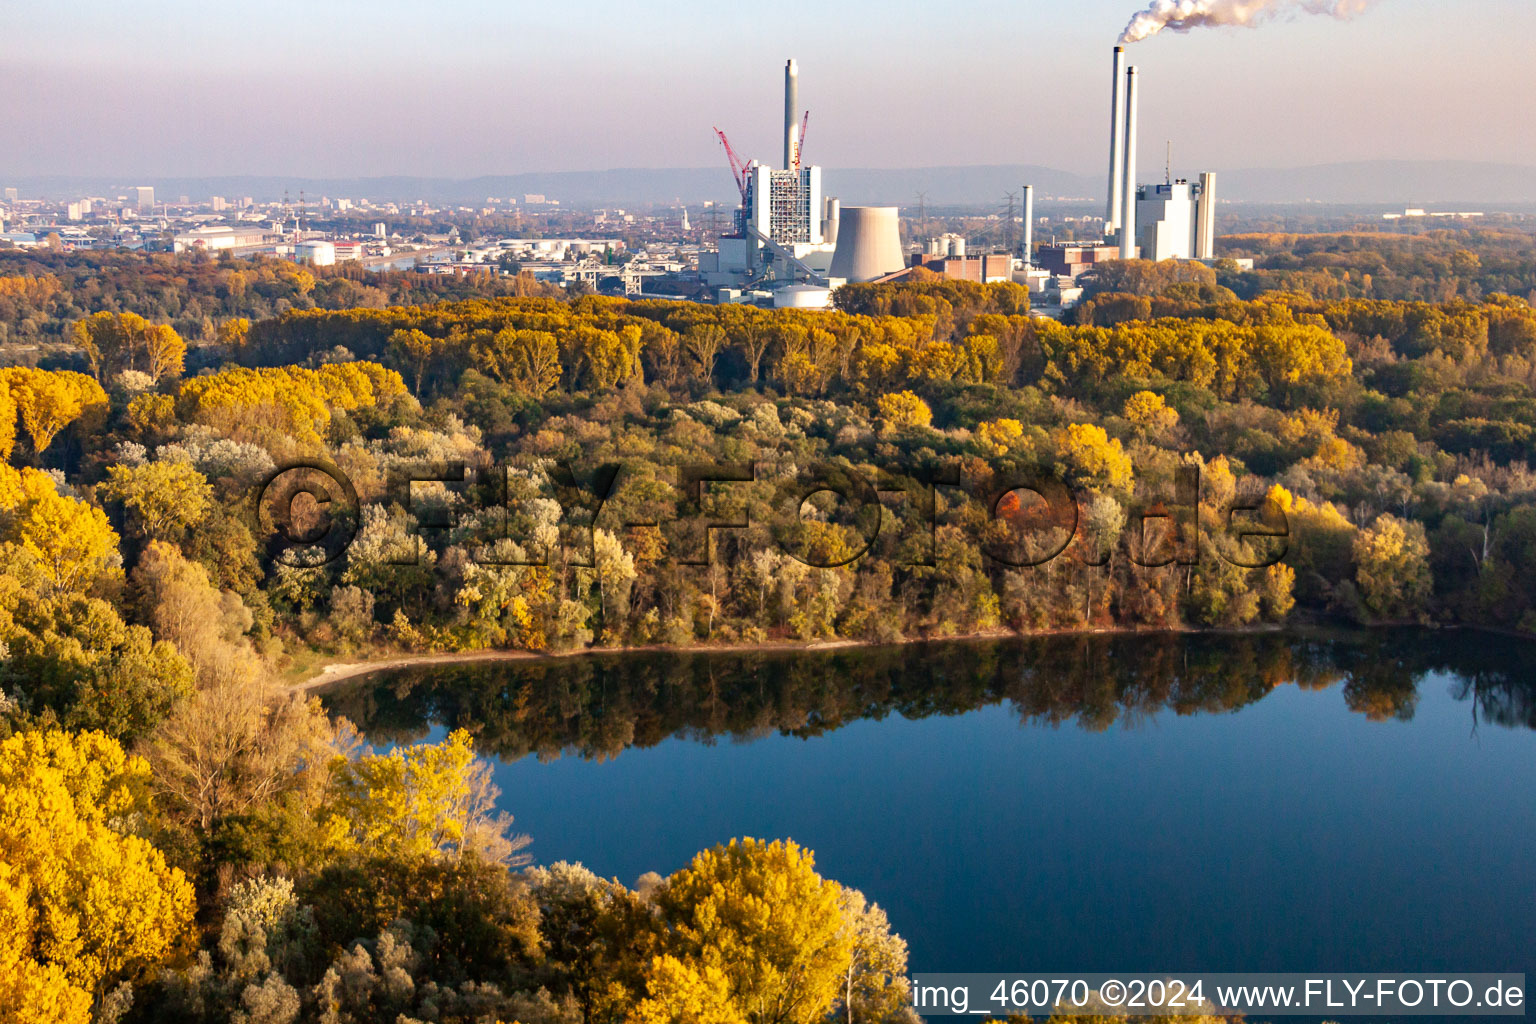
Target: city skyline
(506, 89)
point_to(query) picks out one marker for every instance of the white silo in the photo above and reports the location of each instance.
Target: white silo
(868, 244)
(316, 252)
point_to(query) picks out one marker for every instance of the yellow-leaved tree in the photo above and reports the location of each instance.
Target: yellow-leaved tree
(50, 400)
(1092, 457)
(7, 424)
(902, 410)
(753, 934)
(165, 497)
(114, 342)
(425, 801)
(71, 542)
(84, 904)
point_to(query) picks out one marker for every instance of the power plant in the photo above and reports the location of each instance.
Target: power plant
(1175, 220)
(785, 230)
(791, 244)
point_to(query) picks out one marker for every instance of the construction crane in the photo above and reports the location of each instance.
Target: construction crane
(800, 145)
(738, 166)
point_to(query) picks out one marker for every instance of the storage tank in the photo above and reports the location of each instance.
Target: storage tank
(318, 253)
(868, 244)
(802, 296)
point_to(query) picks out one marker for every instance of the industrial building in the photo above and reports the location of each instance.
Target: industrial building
(786, 229)
(218, 237)
(1070, 259)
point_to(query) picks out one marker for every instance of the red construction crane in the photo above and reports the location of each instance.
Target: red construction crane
(738, 166)
(800, 143)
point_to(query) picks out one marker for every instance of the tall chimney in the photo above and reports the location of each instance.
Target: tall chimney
(791, 108)
(1128, 200)
(1029, 226)
(1116, 145)
(1205, 218)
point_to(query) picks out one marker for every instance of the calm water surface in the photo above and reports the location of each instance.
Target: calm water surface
(1318, 802)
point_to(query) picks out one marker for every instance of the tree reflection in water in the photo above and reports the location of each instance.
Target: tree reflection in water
(596, 706)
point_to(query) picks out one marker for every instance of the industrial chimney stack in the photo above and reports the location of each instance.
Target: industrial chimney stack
(1029, 226)
(791, 108)
(1116, 145)
(1128, 197)
(1205, 218)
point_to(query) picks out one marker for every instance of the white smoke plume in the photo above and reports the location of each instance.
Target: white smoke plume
(1184, 15)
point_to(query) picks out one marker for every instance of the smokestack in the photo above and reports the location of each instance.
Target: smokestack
(791, 108)
(1205, 218)
(834, 214)
(1128, 200)
(1116, 144)
(1029, 226)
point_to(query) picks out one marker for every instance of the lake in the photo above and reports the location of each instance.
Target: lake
(1319, 801)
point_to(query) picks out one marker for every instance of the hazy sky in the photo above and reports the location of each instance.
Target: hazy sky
(460, 88)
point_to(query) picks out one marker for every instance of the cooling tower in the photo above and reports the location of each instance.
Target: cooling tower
(1128, 200)
(868, 243)
(1116, 144)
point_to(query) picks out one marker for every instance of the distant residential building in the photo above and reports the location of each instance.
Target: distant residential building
(73, 212)
(146, 198)
(11, 195)
(219, 204)
(534, 199)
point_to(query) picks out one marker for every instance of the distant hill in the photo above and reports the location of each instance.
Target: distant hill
(618, 186)
(1392, 182)
(1409, 182)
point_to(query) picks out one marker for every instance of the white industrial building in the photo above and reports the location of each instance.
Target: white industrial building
(219, 237)
(1177, 220)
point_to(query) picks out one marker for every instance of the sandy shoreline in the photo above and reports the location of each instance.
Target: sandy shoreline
(342, 671)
